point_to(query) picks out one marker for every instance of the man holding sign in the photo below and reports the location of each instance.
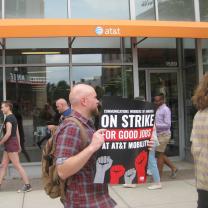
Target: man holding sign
(77, 162)
(87, 188)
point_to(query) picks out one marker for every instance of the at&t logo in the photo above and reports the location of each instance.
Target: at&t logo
(107, 31)
(99, 30)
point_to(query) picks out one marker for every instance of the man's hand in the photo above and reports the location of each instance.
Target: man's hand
(97, 140)
(150, 144)
(20, 149)
(116, 172)
(102, 165)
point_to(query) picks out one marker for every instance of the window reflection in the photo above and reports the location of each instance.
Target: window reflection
(1, 84)
(35, 90)
(36, 9)
(190, 83)
(101, 50)
(203, 10)
(37, 50)
(114, 80)
(157, 52)
(100, 9)
(176, 10)
(37, 56)
(145, 9)
(205, 54)
(142, 84)
(0, 8)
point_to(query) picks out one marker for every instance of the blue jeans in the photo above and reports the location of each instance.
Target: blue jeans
(152, 166)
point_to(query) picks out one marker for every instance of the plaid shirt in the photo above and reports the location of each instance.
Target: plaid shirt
(81, 191)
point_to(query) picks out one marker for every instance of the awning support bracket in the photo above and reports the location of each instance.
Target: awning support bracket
(72, 41)
(135, 44)
(2, 45)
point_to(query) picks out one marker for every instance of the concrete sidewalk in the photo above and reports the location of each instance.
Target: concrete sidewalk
(179, 193)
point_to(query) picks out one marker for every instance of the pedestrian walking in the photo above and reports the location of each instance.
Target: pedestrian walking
(63, 108)
(77, 163)
(11, 141)
(199, 138)
(163, 124)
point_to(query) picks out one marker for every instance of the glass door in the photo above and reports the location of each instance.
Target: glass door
(166, 82)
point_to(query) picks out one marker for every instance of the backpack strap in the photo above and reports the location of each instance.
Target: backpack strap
(83, 132)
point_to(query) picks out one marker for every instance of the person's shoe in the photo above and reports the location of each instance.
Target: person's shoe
(25, 188)
(129, 185)
(174, 174)
(155, 186)
(149, 172)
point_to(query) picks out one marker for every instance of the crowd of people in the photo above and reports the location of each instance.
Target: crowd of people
(72, 160)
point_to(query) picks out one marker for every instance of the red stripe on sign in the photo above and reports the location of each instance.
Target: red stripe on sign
(113, 135)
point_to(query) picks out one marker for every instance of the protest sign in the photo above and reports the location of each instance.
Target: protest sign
(124, 155)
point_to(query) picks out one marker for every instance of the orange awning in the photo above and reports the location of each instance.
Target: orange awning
(27, 28)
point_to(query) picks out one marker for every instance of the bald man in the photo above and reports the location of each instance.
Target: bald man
(63, 108)
(77, 163)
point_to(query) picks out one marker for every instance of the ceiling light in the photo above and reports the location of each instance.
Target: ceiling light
(40, 53)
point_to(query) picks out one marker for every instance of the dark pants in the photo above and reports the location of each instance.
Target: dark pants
(202, 198)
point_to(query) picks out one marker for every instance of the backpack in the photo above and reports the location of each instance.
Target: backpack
(53, 185)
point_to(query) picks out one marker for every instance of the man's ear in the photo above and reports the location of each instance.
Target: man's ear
(83, 101)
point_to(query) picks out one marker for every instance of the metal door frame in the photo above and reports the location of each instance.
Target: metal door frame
(178, 72)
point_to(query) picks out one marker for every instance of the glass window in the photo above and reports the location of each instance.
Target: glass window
(110, 80)
(189, 52)
(0, 53)
(101, 50)
(1, 114)
(157, 52)
(1, 85)
(203, 10)
(27, 43)
(145, 9)
(176, 10)
(99, 9)
(205, 54)
(142, 84)
(34, 90)
(37, 51)
(189, 85)
(0, 8)
(36, 9)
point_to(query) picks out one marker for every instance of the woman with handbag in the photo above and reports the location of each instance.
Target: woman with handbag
(11, 142)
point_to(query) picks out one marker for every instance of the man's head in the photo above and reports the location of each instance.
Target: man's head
(83, 99)
(6, 107)
(159, 100)
(61, 105)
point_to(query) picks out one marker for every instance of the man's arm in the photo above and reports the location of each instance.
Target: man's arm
(75, 163)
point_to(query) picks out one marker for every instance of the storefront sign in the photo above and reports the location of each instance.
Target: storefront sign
(107, 31)
(124, 155)
(17, 77)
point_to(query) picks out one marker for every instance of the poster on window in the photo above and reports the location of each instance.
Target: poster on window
(124, 155)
